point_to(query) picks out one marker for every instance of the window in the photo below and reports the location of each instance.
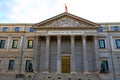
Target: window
(17, 29)
(2, 43)
(117, 41)
(27, 65)
(11, 65)
(30, 43)
(15, 44)
(0, 61)
(5, 29)
(102, 43)
(116, 28)
(31, 29)
(100, 29)
(104, 66)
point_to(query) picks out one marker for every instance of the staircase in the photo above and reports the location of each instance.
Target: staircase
(106, 77)
(65, 76)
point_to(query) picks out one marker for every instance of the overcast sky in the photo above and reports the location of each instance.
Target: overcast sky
(33, 11)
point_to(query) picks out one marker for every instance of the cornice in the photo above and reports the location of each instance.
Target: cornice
(112, 31)
(16, 24)
(15, 32)
(66, 15)
(85, 27)
(109, 23)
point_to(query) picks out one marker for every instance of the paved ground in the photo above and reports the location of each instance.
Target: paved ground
(10, 78)
(7, 78)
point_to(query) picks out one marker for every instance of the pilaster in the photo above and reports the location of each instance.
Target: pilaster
(96, 53)
(8, 43)
(21, 42)
(36, 48)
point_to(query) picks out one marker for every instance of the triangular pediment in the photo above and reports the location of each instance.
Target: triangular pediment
(65, 20)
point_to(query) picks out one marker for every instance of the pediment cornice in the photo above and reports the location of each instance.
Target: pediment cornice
(65, 20)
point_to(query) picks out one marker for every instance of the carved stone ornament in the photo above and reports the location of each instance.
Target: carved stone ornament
(65, 22)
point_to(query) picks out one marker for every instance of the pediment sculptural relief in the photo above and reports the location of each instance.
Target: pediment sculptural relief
(65, 22)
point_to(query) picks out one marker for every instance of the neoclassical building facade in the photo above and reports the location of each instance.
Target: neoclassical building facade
(64, 47)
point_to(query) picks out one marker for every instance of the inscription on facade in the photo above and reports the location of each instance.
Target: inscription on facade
(66, 32)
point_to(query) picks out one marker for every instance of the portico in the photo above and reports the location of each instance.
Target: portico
(52, 49)
(66, 44)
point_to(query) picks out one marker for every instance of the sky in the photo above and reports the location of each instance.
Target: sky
(34, 11)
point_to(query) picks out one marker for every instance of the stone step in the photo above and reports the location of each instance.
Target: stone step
(106, 77)
(52, 76)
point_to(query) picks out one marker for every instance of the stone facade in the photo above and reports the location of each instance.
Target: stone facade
(64, 39)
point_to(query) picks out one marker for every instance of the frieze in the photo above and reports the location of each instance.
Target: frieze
(65, 32)
(104, 55)
(65, 22)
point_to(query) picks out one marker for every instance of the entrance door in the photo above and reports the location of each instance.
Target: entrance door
(65, 64)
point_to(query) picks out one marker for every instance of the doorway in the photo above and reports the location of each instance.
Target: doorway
(65, 64)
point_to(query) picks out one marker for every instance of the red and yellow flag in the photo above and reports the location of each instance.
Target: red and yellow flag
(66, 10)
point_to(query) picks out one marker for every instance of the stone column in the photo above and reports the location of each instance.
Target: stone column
(8, 43)
(96, 53)
(58, 54)
(73, 71)
(85, 61)
(47, 54)
(36, 48)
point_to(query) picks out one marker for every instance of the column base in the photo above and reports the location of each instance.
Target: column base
(86, 72)
(58, 72)
(97, 72)
(73, 72)
(35, 71)
(45, 72)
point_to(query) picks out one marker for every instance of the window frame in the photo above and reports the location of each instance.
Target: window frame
(27, 64)
(28, 45)
(5, 29)
(117, 45)
(100, 29)
(0, 61)
(105, 62)
(116, 28)
(31, 29)
(11, 64)
(1, 43)
(17, 29)
(14, 43)
(103, 42)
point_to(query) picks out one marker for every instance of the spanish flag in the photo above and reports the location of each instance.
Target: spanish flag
(66, 10)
